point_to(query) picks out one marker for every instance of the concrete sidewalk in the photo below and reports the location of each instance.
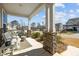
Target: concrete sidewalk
(71, 51)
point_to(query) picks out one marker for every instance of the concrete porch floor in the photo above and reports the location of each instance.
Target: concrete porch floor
(35, 50)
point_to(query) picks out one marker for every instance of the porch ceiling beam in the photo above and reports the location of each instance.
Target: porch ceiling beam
(36, 10)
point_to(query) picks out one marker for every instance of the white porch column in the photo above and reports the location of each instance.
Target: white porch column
(46, 20)
(29, 27)
(49, 17)
(50, 37)
(54, 29)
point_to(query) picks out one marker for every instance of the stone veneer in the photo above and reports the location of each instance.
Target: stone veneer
(50, 42)
(1, 38)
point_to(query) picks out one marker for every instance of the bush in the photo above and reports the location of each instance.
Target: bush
(42, 37)
(20, 34)
(58, 39)
(35, 35)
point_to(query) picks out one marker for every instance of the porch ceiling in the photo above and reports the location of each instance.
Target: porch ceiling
(22, 9)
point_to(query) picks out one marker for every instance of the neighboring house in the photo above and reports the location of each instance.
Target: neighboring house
(72, 25)
(59, 27)
(10, 27)
(13, 25)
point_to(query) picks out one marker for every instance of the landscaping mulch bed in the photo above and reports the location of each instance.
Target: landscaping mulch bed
(71, 41)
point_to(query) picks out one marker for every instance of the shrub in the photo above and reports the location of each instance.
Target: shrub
(42, 37)
(59, 38)
(20, 34)
(35, 35)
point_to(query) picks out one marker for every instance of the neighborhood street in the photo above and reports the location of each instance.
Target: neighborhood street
(75, 35)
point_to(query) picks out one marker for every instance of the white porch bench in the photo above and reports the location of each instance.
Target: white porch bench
(6, 50)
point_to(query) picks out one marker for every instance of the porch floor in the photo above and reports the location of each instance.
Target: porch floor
(35, 50)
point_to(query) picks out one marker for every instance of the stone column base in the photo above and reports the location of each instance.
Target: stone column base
(1, 37)
(28, 33)
(50, 42)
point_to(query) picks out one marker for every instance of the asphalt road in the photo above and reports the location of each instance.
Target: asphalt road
(75, 35)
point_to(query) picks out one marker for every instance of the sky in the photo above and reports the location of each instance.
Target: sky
(66, 11)
(38, 18)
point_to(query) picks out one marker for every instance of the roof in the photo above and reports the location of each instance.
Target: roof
(70, 25)
(73, 21)
(22, 9)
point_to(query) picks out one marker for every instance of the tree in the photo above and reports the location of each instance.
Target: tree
(33, 24)
(40, 27)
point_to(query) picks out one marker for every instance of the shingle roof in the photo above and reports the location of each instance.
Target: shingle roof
(73, 21)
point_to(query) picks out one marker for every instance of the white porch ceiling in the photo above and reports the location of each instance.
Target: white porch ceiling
(22, 9)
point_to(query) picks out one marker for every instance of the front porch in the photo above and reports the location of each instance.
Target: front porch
(32, 9)
(31, 47)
